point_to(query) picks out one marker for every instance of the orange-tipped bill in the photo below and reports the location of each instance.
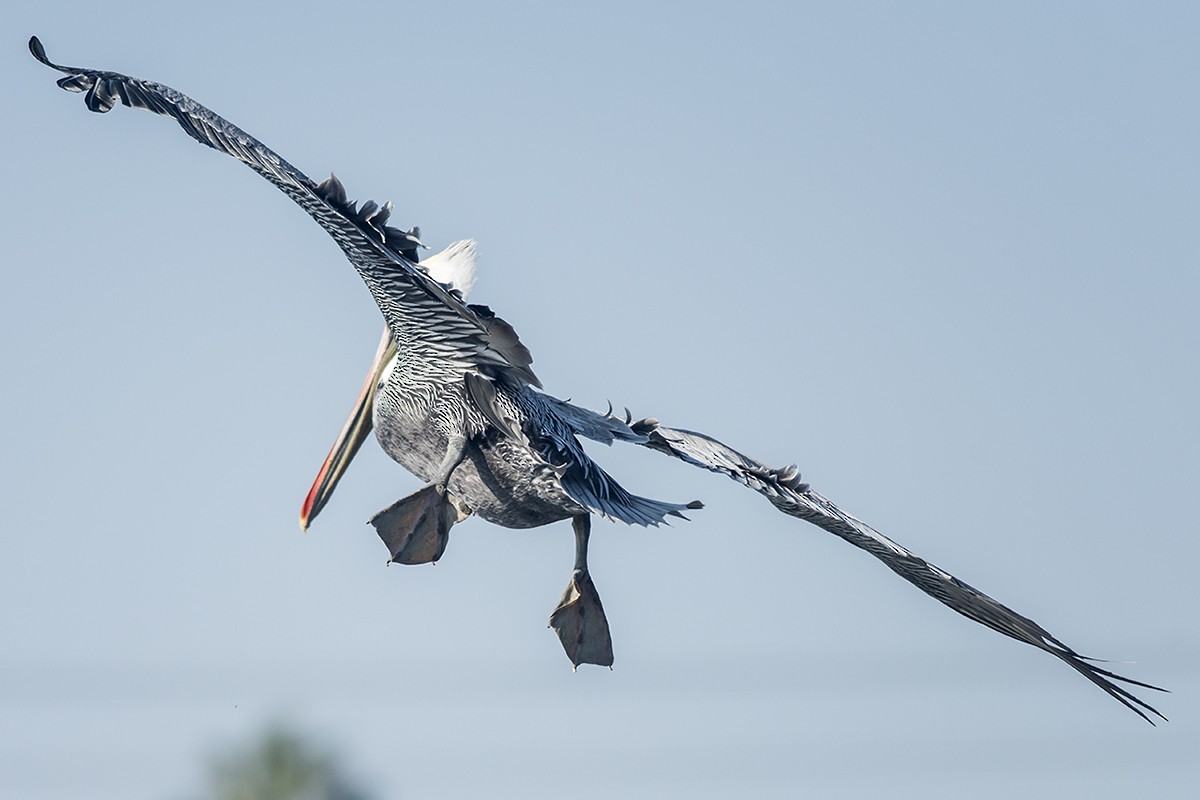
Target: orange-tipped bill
(353, 434)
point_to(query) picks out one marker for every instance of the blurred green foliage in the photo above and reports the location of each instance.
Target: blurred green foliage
(282, 764)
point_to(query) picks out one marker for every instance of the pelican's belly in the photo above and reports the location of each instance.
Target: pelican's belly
(502, 483)
(499, 479)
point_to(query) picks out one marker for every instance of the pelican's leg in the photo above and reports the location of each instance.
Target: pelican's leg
(416, 528)
(579, 618)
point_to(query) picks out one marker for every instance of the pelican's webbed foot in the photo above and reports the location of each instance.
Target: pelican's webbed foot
(416, 528)
(580, 623)
(579, 617)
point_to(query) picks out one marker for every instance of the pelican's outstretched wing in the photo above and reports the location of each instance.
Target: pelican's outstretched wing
(786, 492)
(423, 314)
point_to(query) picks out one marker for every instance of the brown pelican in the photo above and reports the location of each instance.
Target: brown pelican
(452, 398)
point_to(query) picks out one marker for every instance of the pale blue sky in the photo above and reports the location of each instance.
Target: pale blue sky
(942, 255)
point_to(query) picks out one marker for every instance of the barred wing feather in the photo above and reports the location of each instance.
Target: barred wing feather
(787, 493)
(423, 314)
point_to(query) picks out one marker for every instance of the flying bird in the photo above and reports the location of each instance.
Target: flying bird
(452, 397)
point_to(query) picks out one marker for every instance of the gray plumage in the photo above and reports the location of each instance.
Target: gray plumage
(453, 398)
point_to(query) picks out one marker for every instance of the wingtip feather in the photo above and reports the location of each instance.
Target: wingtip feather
(39, 52)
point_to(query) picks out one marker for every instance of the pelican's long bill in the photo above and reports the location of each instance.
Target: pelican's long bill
(354, 432)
